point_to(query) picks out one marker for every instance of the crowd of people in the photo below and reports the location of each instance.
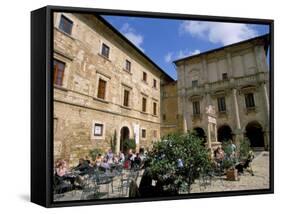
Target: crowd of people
(102, 162)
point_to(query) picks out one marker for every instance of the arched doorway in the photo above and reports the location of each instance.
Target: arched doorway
(224, 133)
(254, 133)
(124, 135)
(201, 134)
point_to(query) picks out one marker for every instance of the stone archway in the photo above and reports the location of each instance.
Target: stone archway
(124, 135)
(224, 133)
(254, 132)
(201, 134)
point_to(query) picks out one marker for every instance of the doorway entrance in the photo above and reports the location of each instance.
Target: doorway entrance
(124, 135)
(254, 133)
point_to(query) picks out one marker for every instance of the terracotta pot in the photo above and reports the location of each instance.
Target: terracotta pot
(232, 175)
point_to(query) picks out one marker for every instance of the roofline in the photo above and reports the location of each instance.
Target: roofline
(264, 36)
(133, 46)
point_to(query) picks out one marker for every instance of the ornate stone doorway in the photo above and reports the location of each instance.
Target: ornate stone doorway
(254, 133)
(124, 135)
(224, 133)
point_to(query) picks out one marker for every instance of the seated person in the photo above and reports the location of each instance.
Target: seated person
(98, 160)
(82, 166)
(219, 155)
(246, 164)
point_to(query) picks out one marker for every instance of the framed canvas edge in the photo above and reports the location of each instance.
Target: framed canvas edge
(49, 106)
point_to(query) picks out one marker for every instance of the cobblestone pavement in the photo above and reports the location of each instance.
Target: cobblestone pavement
(260, 180)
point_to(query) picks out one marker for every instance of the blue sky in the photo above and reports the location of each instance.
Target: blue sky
(165, 40)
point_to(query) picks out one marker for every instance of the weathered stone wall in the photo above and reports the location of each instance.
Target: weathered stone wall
(76, 106)
(169, 109)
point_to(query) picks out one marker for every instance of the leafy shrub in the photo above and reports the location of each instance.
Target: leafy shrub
(175, 160)
(94, 153)
(129, 144)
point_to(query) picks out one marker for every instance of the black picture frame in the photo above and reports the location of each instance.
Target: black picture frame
(42, 103)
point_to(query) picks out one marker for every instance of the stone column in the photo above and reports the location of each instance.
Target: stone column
(238, 131)
(266, 140)
(184, 106)
(266, 100)
(117, 149)
(209, 136)
(236, 109)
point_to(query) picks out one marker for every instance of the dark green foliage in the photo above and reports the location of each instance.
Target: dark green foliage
(94, 153)
(176, 160)
(113, 141)
(129, 144)
(244, 149)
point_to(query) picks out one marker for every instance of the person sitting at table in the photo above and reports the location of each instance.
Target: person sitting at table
(121, 157)
(219, 155)
(61, 174)
(137, 161)
(105, 165)
(98, 160)
(109, 156)
(82, 166)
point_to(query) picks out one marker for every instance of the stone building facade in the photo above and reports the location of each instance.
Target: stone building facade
(170, 120)
(235, 80)
(105, 89)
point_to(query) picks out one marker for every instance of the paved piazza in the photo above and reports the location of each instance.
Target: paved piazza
(260, 180)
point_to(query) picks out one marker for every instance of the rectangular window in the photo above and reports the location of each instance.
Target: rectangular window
(249, 99)
(98, 129)
(155, 133)
(144, 76)
(126, 98)
(143, 133)
(196, 107)
(194, 83)
(154, 108)
(221, 104)
(105, 50)
(154, 83)
(164, 117)
(58, 72)
(224, 76)
(101, 89)
(65, 25)
(144, 104)
(128, 66)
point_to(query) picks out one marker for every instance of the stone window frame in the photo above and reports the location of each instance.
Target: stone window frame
(144, 96)
(63, 16)
(154, 101)
(224, 76)
(126, 67)
(98, 137)
(196, 98)
(130, 89)
(221, 104)
(144, 76)
(155, 136)
(154, 83)
(66, 61)
(106, 79)
(249, 90)
(194, 83)
(145, 131)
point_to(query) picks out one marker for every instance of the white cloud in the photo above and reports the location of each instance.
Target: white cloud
(218, 32)
(170, 56)
(132, 35)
